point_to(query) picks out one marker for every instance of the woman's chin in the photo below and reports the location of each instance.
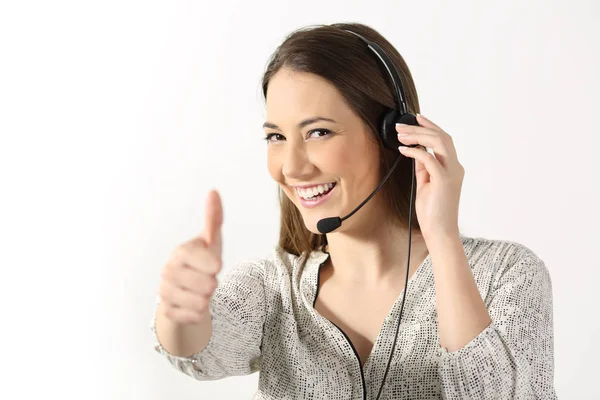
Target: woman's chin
(311, 221)
(311, 225)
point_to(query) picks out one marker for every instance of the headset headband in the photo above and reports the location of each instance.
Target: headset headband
(389, 66)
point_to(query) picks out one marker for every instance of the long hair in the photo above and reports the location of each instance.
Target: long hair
(346, 62)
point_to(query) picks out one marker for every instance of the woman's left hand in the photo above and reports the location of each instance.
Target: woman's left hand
(439, 178)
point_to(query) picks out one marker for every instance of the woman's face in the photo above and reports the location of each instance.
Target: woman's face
(315, 141)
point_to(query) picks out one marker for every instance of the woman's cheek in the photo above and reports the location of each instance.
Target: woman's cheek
(274, 166)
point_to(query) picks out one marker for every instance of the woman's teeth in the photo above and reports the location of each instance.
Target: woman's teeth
(308, 194)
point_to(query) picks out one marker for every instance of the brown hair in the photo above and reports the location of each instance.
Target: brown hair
(345, 61)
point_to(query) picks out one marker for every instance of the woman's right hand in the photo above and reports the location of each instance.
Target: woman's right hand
(188, 280)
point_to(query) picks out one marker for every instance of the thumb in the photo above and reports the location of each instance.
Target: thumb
(213, 221)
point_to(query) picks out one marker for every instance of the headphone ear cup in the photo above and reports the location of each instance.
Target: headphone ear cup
(388, 132)
(408, 119)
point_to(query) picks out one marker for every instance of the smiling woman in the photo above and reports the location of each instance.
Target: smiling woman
(307, 87)
(318, 150)
(321, 316)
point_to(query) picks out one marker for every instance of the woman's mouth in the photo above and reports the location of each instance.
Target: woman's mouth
(316, 195)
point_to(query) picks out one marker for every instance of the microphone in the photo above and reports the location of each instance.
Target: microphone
(330, 224)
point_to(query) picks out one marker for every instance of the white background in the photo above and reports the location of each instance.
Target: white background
(117, 117)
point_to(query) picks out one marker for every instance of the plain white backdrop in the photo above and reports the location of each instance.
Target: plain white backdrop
(117, 117)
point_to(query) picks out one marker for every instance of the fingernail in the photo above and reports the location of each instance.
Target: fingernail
(402, 148)
(399, 124)
(402, 134)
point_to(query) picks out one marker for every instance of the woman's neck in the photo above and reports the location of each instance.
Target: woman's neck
(376, 258)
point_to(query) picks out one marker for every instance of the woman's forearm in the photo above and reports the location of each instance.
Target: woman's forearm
(462, 314)
(183, 340)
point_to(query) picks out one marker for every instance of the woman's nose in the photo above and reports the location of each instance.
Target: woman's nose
(296, 163)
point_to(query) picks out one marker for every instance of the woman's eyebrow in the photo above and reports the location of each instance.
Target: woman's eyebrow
(302, 124)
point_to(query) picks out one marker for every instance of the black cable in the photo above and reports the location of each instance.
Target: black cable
(412, 197)
(376, 190)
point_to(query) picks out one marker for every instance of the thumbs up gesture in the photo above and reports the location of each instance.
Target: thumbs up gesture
(188, 280)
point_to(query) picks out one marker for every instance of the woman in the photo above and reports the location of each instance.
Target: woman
(317, 317)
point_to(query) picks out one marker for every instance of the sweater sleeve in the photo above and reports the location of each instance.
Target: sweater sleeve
(514, 356)
(238, 310)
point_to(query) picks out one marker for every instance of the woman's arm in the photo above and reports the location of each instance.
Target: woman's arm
(228, 343)
(462, 314)
(182, 340)
(509, 355)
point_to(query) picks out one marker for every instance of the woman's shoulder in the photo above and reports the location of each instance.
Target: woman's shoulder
(478, 247)
(278, 261)
(501, 258)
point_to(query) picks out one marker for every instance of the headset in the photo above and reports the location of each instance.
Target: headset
(389, 138)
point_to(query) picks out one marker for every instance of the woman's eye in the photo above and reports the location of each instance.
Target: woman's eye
(277, 137)
(270, 136)
(322, 132)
